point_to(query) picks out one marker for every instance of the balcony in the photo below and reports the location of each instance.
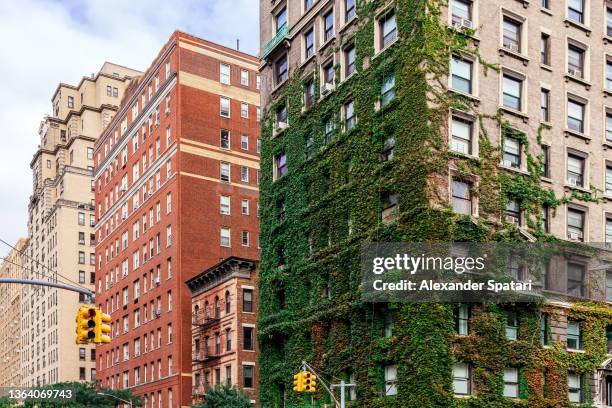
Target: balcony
(280, 36)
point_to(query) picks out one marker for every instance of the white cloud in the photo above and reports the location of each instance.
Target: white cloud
(51, 41)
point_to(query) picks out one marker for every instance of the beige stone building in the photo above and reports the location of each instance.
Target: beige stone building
(10, 325)
(60, 225)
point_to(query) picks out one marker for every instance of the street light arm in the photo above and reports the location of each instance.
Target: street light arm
(115, 397)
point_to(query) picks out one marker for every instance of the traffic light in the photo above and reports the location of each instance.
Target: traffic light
(101, 329)
(85, 324)
(310, 382)
(298, 382)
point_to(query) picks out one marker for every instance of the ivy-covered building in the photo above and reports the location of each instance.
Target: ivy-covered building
(427, 120)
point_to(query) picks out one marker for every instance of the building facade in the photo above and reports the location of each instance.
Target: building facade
(224, 336)
(10, 307)
(421, 121)
(176, 184)
(60, 225)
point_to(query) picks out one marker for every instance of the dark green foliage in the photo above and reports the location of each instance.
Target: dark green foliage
(224, 397)
(86, 396)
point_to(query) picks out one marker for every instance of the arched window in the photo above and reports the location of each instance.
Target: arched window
(228, 302)
(217, 308)
(196, 311)
(206, 310)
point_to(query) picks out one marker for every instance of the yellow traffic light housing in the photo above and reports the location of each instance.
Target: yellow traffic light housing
(85, 324)
(101, 329)
(310, 382)
(298, 382)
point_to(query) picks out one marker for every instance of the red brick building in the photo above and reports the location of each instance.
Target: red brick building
(224, 337)
(176, 191)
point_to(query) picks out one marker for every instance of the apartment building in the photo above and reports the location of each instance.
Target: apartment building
(176, 185)
(525, 90)
(224, 336)
(60, 225)
(10, 307)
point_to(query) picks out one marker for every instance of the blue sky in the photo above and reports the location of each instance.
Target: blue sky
(51, 41)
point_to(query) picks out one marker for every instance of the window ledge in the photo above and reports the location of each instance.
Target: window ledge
(607, 39)
(569, 350)
(464, 155)
(607, 145)
(546, 179)
(585, 137)
(307, 60)
(382, 50)
(472, 97)
(347, 24)
(607, 92)
(514, 112)
(581, 81)
(579, 26)
(546, 11)
(326, 43)
(514, 169)
(278, 86)
(546, 67)
(577, 188)
(520, 56)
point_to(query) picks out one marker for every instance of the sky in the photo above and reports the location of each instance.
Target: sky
(50, 41)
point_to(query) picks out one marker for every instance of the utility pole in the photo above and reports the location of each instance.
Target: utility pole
(342, 386)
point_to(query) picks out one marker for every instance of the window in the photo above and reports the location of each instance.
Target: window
(513, 212)
(512, 152)
(391, 380)
(512, 92)
(328, 25)
(81, 217)
(224, 141)
(388, 148)
(309, 93)
(349, 10)
(244, 110)
(461, 379)
(462, 316)
(90, 153)
(461, 131)
(462, 197)
(545, 49)
(248, 376)
(244, 77)
(461, 75)
(512, 34)
(281, 114)
(309, 43)
(575, 10)
(609, 21)
(608, 273)
(225, 237)
(224, 203)
(349, 115)
(281, 19)
(545, 105)
(609, 126)
(575, 279)
(574, 335)
(329, 74)
(280, 164)
(245, 207)
(575, 224)
(511, 325)
(349, 60)
(225, 107)
(244, 174)
(387, 90)
(329, 130)
(545, 329)
(609, 75)
(545, 160)
(575, 115)
(225, 172)
(575, 170)
(574, 387)
(244, 142)
(511, 387)
(247, 300)
(388, 29)
(225, 74)
(247, 338)
(545, 4)
(308, 4)
(70, 102)
(228, 339)
(575, 61)
(461, 10)
(309, 144)
(280, 70)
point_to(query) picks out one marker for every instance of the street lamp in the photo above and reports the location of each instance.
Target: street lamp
(117, 398)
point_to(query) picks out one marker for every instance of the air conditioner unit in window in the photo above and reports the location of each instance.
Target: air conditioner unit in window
(281, 125)
(466, 23)
(158, 313)
(327, 88)
(512, 47)
(574, 236)
(508, 163)
(572, 181)
(512, 220)
(123, 189)
(157, 281)
(575, 72)
(460, 23)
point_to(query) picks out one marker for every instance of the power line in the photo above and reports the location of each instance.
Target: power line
(22, 253)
